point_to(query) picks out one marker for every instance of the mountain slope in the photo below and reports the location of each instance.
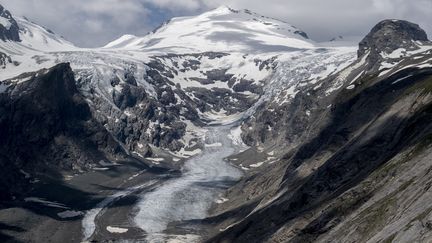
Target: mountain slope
(340, 158)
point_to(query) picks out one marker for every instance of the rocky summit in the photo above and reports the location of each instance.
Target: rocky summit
(390, 35)
(227, 126)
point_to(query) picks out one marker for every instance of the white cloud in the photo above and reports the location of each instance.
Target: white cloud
(95, 22)
(85, 22)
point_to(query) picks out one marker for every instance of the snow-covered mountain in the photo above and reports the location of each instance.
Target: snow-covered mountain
(38, 38)
(152, 93)
(224, 53)
(222, 29)
(215, 67)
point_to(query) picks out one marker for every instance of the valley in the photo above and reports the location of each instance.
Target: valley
(227, 126)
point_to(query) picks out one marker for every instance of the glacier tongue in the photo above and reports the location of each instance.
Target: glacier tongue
(190, 196)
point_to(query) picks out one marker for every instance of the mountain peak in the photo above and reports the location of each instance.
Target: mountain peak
(9, 29)
(389, 35)
(224, 8)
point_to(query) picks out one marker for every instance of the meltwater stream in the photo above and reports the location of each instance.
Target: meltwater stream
(190, 196)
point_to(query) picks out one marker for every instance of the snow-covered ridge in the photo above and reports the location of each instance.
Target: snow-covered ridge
(39, 38)
(34, 51)
(35, 39)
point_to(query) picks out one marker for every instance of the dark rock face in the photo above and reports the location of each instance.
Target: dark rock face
(389, 35)
(344, 151)
(45, 124)
(128, 96)
(139, 116)
(4, 60)
(302, 34)
(135, 104)
(219, 74)
(11, 30)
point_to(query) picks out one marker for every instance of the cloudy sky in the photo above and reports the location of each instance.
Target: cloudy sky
(90, 23)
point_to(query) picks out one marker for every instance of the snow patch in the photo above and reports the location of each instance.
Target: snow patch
(222, 200)
(243, 168)
(213, 145)
(155, 160)
(116, 230)
(352, 86)
(259, 164)
(401, 79)
(26, 175)
(5, 22)
(135, 175)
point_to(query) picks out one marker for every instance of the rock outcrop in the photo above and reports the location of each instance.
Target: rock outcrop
(9, 30)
